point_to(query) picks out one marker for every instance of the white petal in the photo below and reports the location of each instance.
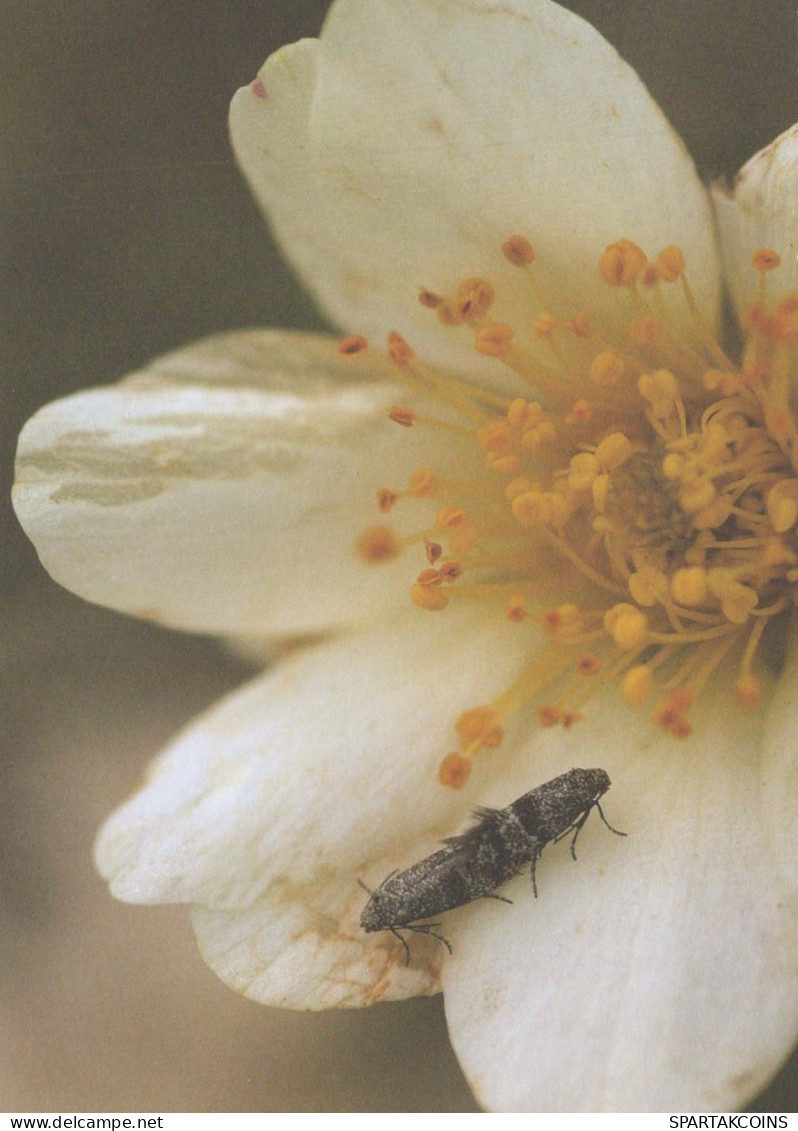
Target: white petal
(780, 768)
(268, 809)
(407, 144)
(657, 973)
(225, 488)
(761, 211)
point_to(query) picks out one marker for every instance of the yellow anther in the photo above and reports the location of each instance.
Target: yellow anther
(673, 466)
(495, 437)
(600, 491)
(765, 259)
(636, 684)
(454, 770)
(517, 487)
(689, 586)
(518, 250)
(404, 416)
(449, 517)
(782, 505)
(504, 465)
(480, 726)
(775, 553)
(748, 691)
(736, 600)
(714, 515)
(607, 368)
(525, 414)
(648, 586)
(613, 451)
(660, 388)
(584, 468)
(494, 340)
(621, 263)
(474, 298)
(543, 326)
(430, 598)
(529, 507)
(696, 493)
(352, 346)
(378, 544)
(534, 437)
(399, 350)
(670, 263)
(627, 626)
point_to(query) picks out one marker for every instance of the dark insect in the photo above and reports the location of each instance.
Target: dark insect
(476, 863)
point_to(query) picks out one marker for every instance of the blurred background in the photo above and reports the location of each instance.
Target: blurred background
(126, 230)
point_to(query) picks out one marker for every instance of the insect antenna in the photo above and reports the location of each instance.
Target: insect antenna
(365, 889)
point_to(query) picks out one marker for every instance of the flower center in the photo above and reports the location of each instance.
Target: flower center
(640, 511)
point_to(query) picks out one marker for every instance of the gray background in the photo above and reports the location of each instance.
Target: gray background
(126, 230)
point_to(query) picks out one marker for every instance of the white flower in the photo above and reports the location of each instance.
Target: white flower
(638, 522)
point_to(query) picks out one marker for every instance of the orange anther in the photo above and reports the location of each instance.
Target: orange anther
(450, 571)
(494, 340)
(579, 325)
(622, 263)
(429, 577)
(430, 598)
(423, 483)
(404, 416)
(543, 326)
(645, 329)
(480, 726)
(549, 715)
(378, 544)
(352, 346)
(765, 259)
(454, 770)
(516, 609)
(429, 299)
(399, 350)
(588, 664)
(670, 263)
(433, 550)
(386, 499)
(474, 298)
(518, 250)
(449, 517)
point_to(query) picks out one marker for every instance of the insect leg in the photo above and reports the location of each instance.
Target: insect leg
(606, 822)
(535, 859)
(365, 889)
(492, 895)
(426, 929)
(404, 944)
